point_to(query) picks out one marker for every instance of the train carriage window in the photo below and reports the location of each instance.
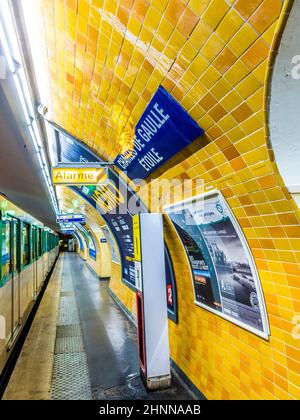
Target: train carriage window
(15, 244)
(39, 242)
(34, 244)
(5, 256)
(45, 236)
(43, 241)
(25, 254)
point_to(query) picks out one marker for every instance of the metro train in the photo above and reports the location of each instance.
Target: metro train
(28, 250)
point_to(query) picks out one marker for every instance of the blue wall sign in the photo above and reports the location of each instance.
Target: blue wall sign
(163, 130)
(103, 241)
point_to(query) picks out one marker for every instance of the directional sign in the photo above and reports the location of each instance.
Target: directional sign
(68, 232)
(78, 176)
(70, 218)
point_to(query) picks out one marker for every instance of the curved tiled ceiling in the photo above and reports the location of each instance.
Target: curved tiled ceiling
(102, 60)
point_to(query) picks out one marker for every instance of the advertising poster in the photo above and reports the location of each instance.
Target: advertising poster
(224, 276)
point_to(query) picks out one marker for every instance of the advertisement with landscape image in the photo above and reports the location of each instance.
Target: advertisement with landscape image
(224, 276)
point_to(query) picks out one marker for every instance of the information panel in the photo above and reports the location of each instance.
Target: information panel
(224, 275)
(163, 130)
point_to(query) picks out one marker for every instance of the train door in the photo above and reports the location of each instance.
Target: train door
(10, 269)
(34, 258)
(14, 244)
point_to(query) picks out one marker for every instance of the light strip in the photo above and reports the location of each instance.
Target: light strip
(9, 27)
(9, 59)
(50, 134)
(10, 46)
(21, 98)
(26, 93)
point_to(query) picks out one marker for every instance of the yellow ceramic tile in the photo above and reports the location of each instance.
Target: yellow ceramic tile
(268, 35)
(256, 101)
(215, 12)
(236, 73)
(209, 77)
(199, 64)
(212, 47)
(229, 25)
(248, 86)
(200, 34)
(243, 38)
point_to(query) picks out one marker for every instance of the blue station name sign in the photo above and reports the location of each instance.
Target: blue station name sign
(70, 218)
(68, 232)
(164, 129)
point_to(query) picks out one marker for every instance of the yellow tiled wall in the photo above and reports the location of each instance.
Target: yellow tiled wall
(123, 292)
(106, 58)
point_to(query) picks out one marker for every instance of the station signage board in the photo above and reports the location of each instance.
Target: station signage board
(164, 129)
(66, 175)
(118, 221)
(70, 218)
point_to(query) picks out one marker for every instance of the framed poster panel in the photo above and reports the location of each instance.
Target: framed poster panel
(224, 275)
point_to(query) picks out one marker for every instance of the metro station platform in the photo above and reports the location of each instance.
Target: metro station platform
(81, 346)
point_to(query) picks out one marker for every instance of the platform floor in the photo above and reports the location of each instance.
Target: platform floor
(81, 345)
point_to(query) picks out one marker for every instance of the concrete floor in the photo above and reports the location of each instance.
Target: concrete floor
(109, 341)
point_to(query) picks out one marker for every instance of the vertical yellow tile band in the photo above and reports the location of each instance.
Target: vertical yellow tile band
(137, 237)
